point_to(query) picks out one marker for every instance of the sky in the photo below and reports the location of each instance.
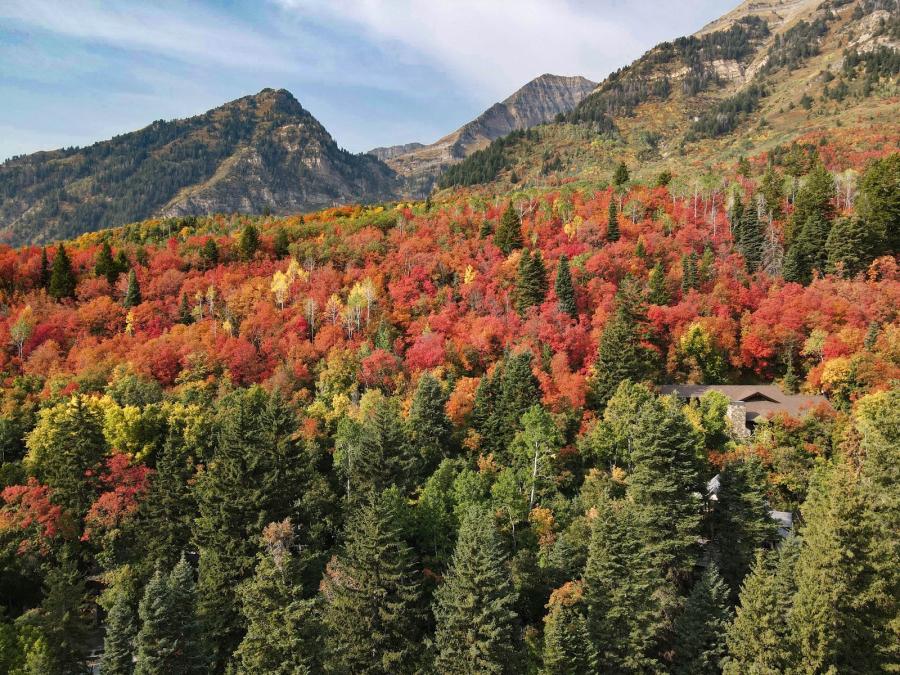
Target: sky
(374, 72)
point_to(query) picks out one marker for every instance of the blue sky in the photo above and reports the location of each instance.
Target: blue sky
(374, 72)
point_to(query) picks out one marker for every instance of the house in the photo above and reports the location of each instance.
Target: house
(750, 403)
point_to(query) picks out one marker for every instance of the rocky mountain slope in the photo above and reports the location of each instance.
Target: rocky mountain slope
(766, 74)
(539, 101)
(256, 153)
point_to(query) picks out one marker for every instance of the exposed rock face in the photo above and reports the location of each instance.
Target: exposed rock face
(537, 102)
(255, 153)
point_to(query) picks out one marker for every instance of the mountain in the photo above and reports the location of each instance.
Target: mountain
(262, 152)
(763, 76)
(539, 101)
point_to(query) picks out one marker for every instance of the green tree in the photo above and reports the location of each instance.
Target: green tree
(658, 293)
(531, 282)
(565, 292)
(119, 641)
(184, 311)
(739, 522)
(568, 649)
(210, 252)
(664, 485)
(428, 426)
(808, 251)
(62, 278)
(878, 204)
(133, 293)
(248, 243)
(477, 629)
(168, 640)
(814, 200)
(612, 220)
(509, 233)
(373, 599)
(690, 280)
(44, 278)
(620, 175)
(105, 264)
(700, 628)
(282, 627)
(772, 190)
(281, 243)
(752, 239)
(847, 247)
(609, 442)
(534, 450)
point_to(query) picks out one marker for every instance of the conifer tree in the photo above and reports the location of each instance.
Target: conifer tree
(612, 220)
(105, 265)
(701, 626)
(509, 233)
(373, 600)
(565, 292)
(428, 424)
(620, 175)
(133, 293)
(282, 628)
(568, 649)
(808, 251)
(210, 252)
(531, 283)
(281, 243)
(477, 629)
(740, 524)
(45, 269)
(752, 239)
(772, 190)
(657, 294)
(184, 311)
(736, 219)
(519, 389)
(663, 484)
(62, 279)
(119, 641)
(814, 200)
(847, 247)
(248, 243)
(689, 279)
(878, 204)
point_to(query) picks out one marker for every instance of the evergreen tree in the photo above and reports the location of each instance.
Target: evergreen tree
(626, 598)
(814, 200)
(808, 251)
(847, 247)
(658, 294)
(531, 283)
(121, 631)
(428, 424)
(373, 612)
(689, 278)
(565, 292)
(772, 190)
(281, 243)
(282, 628)
(45, 269)
(612, 220)
(509, 233)
(878, 204)
(752, 239)
(519, 389)
(133, 293)
(248, 243)
(620, 175)
(62, 279)
(740, 523)
(477, 628)
(568, 649)
(167, 641)
(210, 252)
(184, 311)
(736, 219)
(105, 265)
(664, 484)
(700, 628)
(620, 355)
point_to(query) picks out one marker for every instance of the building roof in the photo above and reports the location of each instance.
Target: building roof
(760, 400)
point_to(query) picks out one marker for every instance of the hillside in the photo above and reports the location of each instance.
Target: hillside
(764, 76)
(539, 101)
(262, 152)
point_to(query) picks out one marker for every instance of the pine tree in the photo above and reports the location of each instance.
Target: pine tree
(248, 243)
(568, 649)
(168, 640)
(62, 279)
(184, 311)
(210, 252)
(847, 247)
(700, 628)
(624, 594)
(44, 279)
(519, 389)
(509, 232)
(689, 279)
(531, 282)
(736, 219)
(282, 627)
(808, 251)
(620, 355)
(772, 190)
(119, 642)
(133, 293)
(373, 611)
(740, 523)
(658, 294)
(664, 484)
(620, 175)
(477, 628)
(281, 243)
(612, 220)
(565, 292)
(878, 204)
(428, 424)
(105, 265)
(752, 239)
(814, 200)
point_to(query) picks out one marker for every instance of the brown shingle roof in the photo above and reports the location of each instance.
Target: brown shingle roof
(761, 400)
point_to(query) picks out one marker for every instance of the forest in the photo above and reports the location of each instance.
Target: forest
(427, 437)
